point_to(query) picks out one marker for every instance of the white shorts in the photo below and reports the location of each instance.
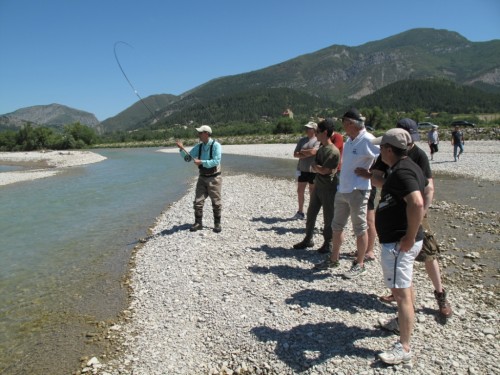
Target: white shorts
(397, 266)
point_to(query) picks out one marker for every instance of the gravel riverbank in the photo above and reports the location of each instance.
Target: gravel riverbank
(244, 302)
(43, 164)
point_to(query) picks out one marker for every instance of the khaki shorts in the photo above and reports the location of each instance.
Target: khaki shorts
(355, 205)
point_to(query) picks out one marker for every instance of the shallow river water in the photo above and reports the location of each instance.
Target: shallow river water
(65, 245)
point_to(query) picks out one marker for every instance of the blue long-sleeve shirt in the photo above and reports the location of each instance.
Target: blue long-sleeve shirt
(205, 153)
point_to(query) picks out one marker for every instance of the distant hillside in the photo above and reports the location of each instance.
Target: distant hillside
(343, 74)
(48, 115)
(249, 107)
(433, 96)
(138, 113)
(11, 123)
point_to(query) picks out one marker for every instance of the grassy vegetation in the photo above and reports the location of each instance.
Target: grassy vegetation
(480, 133)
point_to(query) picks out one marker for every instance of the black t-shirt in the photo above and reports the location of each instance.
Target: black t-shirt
(416, 154)
(390, 218)
(457, 136)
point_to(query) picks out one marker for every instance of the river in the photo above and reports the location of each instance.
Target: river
(65, 246)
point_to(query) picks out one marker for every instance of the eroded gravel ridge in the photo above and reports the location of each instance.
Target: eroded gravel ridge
(244, 302)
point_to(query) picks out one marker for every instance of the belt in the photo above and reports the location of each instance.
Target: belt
(210, 175)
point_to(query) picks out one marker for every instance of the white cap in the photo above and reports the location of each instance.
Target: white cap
(435, 126)
(311, 125)
(204, 128)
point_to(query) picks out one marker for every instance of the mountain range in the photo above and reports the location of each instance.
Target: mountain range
(338, 74)
(55, 115)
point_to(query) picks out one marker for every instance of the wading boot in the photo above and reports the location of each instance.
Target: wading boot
(325, 248)
(305, 243)
(217, 227)
(197, 224)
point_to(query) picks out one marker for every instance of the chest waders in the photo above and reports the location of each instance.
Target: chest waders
(201, 194)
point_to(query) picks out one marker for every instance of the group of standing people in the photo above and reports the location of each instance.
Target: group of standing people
(401, 170)
(342, 179)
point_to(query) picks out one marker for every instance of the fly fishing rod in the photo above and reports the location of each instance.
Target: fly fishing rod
(128, 80)
(188, 157)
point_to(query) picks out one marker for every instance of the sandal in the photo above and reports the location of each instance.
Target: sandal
(387, 299)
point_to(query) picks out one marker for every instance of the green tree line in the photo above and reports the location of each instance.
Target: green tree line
(433, 95)
(29, 138)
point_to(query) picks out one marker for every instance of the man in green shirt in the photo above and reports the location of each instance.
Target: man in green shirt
(325, 166)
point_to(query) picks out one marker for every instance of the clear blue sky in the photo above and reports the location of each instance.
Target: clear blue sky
(61, 51)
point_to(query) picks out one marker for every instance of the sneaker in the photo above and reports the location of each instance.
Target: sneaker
(391, 325)
(326, 264)
(396, 355)
(355, 271)
(444, 306)
(217, 228)
(299, 216)
(304, 244)
(387, 299)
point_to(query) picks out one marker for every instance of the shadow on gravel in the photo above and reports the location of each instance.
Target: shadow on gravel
(439, 319)
(275, 220)
(282, 230)
(441, 162)
(345, 300)
(289, 273)
(281, 252)
(308, 345)
(174, 229)
(166, 232)
(272, 220)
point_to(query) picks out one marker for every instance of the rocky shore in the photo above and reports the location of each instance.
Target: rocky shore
(39, 164)
(244, 302)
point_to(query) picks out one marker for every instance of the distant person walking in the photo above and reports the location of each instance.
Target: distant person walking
(457, 140)
(207, 156)
(433, 140)
(305, 151)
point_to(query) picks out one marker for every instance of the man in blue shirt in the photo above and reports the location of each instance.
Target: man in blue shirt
(207, 156)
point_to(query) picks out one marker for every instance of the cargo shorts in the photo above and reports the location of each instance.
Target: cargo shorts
(430, 249)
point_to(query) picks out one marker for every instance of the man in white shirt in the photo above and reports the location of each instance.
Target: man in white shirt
(352, 192)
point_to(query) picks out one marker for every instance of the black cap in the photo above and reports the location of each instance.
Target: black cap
(410, 126)
(353, 114)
